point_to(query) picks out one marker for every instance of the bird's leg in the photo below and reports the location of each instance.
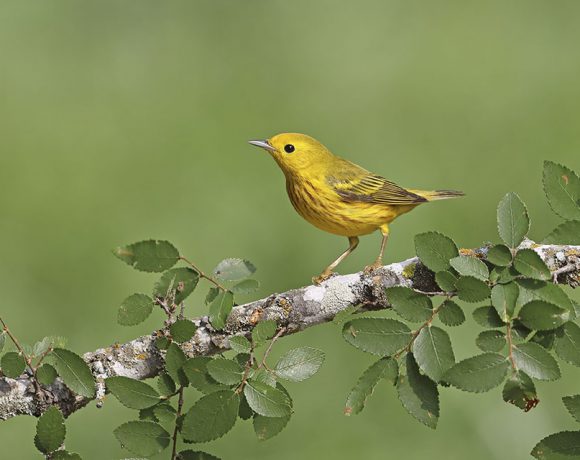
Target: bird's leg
(379, 262)
(327, 273)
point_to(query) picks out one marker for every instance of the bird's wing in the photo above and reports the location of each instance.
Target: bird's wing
(356, 184)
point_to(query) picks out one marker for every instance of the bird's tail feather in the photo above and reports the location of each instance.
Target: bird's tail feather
(432, 195)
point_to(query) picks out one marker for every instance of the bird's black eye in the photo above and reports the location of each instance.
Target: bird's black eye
(288, 148)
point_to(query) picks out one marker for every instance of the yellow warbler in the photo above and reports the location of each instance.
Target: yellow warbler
(340, 197)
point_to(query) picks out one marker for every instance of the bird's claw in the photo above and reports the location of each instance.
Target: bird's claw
(374, 266)
(322, 277)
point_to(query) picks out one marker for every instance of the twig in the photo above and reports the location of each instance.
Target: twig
(176, 429)
(203, 275)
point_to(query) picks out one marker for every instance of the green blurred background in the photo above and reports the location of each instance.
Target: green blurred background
(124, 120)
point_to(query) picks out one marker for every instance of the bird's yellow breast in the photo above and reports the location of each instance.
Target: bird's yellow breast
(317, 202)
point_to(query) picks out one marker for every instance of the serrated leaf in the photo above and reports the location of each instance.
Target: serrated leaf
(50, 431)
(165, 384)
(211, 416)
(479, 373)
(572, 404)
(433, 352)
(149, 256)
(544, 338)
(132, 393)
(490, 340)
(419, 394)
(142, 437)
(174, 359)
(520, 391)
(195, 455)
(567, 343)
(487, 317)
(165, 413)
(503, 275)
(42, 346)
(13, 364)
(562, 188)
(499, 255)
(513, 221)
(177, 283)
(540, 290)
(530, 264)
(446, 280)
(451, 314)
(135, 309)
(504, 298)
(264, 376)
(344, 314)
(182, 330)
(240, 344)
(410, 305)
(384, 368)
(559, 446)
(211, 295)
(535, 361)
(299, 364)
(378, 336)
(470, 289)
(234, 269)
(263, 331)
(543, 316)
(435, 249)
(565, 233)
(65, 455)
(73, 371)
(268, 427)
(46, 374)
(196, 372)
(246, 287)
(266, 400)
(225, 371)
(220, 308)
(470, 266)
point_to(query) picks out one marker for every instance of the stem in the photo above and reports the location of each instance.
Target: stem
(203, 275)
(17, 344)
(179, 408)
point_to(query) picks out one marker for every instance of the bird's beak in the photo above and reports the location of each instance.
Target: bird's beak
(263, 144)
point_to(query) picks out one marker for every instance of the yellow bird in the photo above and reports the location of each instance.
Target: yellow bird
(340, 197)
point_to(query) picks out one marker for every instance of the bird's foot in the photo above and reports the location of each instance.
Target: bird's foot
(374, 266)
(322, 277)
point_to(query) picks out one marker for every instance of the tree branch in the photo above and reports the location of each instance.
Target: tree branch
(293, 311)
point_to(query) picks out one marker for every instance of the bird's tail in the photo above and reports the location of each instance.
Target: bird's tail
(432, 195)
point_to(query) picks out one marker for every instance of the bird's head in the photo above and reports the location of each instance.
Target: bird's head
(295, 152)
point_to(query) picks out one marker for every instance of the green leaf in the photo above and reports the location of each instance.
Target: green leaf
(240, 344)
(487, 317)
(195, 455)
(211, 416)
(419, 394)
(543, 316)
(470, 289)
(559, 446)
(384, 368)
(196, 372)
(132, 393)
(266, 400)
(149, 256)
(451, 314)
(479, 373)
(470, 266)
(211, 295)
(135, 309)
(142, 438)
(513, 221)
(499, 255)
(572, 404)
(13, 364)
(182, 330)
(567, 343)
(268, 427)
(73, 371)
(65, 455)
(433, 352)
(379, 336)
(220, 308)
(174, 359)
(246, 287)
(234, 269)
(410, 305)
(540, 290)
(520, 391)
(263, 331)
(435, 250)
(504, 298)
(535, 361)
(165, 413)
(225, 371)
(162, 342)
(565, 233)
(165, 384)
(50, 431)
(42, 346)
(562, 188)
(177, 284)
(530, 264)
(299, 364)
(490, 340)
(446, 280)
(503, 275)
(46, 374)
